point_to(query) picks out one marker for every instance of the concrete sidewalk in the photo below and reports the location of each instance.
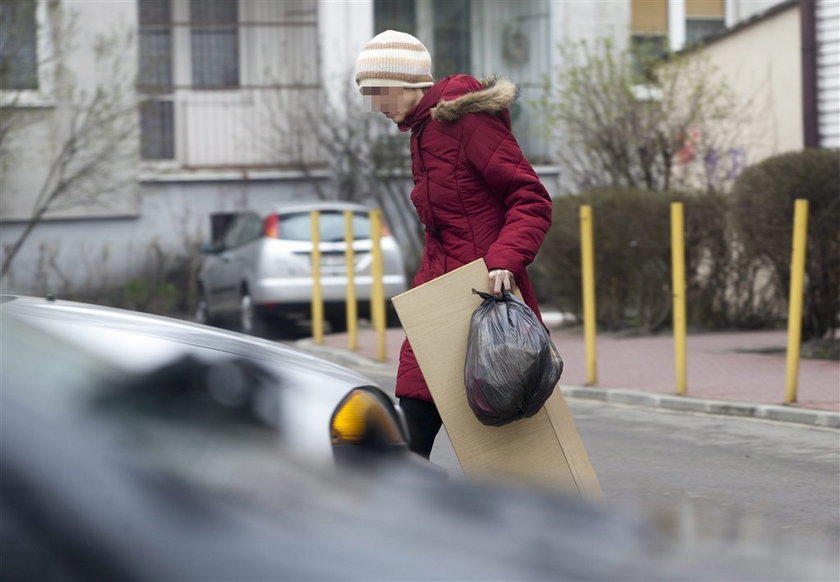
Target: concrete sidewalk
(733, 373)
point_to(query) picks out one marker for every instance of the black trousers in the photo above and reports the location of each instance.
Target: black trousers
(423, 424)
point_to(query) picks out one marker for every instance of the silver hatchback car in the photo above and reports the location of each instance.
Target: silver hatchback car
(262, 265)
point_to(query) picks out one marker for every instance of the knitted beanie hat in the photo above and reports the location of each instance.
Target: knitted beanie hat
(394, 59)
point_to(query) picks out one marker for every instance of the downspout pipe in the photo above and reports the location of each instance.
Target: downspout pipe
(808, 37)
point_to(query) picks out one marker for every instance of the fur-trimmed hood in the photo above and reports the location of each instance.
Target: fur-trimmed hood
(495, 96)
(452, 98)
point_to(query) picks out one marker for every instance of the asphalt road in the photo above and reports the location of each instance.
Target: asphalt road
(709, 477)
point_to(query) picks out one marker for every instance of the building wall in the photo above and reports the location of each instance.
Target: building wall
(158, 217)
(762, 64)
(161, 216)
(86, 256)
(70, 73)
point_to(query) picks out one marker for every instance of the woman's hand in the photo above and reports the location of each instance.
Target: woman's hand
(500, 277)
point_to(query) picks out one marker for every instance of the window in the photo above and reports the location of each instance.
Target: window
(18, 45)
(155, 69)
(298, 226)
(157, 130)
(214, 40)
(452, 38)
(704, 18)
(647, 49)
(157, 135)
(394, 15)
(649, 17)
(649, 36)
(699, 29)
(449, 37)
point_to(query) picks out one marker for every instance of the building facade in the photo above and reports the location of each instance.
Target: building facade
(227, 97)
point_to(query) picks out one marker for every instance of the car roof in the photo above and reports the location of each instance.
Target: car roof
(320, 205)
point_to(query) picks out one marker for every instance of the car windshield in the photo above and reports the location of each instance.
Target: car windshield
(297, 226)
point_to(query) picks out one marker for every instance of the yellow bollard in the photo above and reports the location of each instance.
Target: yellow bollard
(678, 281)
(377, 295)
(349, 259)
(317, 295)
(588, 271)
(797, 279)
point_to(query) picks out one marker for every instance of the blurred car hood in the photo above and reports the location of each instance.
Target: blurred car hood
(137, 342)
(140, 341)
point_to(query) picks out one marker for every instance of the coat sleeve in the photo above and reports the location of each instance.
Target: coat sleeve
(494, 154)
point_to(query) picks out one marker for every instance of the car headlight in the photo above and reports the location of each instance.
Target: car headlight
(363, 419)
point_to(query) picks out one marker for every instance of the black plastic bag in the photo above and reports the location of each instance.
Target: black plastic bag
(512, 365)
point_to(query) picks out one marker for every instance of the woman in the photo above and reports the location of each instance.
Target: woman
(474, 191)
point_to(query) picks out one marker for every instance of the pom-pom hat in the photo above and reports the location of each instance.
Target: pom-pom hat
(394, 59)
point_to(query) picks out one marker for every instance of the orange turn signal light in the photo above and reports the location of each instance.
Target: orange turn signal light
(360, 417)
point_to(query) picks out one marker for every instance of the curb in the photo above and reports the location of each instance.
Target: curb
(345, 357)
(773, 412)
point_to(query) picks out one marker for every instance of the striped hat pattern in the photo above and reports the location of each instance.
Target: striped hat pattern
(394, 59)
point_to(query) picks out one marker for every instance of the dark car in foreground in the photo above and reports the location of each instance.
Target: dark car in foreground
(177, 470)
(324, 410)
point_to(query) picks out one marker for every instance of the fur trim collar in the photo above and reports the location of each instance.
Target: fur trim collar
(496, 95)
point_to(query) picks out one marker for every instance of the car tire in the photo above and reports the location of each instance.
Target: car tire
(250, 319)
(202, 308)
(391, 317)
(338, 322)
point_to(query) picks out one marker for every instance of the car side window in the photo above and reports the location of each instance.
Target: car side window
(245, 228)
(251, 229)
(232, 234)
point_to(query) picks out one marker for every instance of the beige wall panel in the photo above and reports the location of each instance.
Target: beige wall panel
(762, 63)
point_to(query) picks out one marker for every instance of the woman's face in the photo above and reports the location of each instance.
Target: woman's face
(394, 102)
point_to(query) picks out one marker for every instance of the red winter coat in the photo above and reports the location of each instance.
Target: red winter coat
(474, 191)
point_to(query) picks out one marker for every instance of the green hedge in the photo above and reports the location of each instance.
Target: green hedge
(738, 250)
(725, 288)
(762, 210)
(632, 253)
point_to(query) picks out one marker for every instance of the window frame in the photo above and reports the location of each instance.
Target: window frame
(44, 95)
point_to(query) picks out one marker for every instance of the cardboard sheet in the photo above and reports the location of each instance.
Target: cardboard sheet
(543, 451)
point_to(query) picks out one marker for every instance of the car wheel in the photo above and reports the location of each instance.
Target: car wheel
(392, 319)
(202, 309)
(338, 322)
(250, 321)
